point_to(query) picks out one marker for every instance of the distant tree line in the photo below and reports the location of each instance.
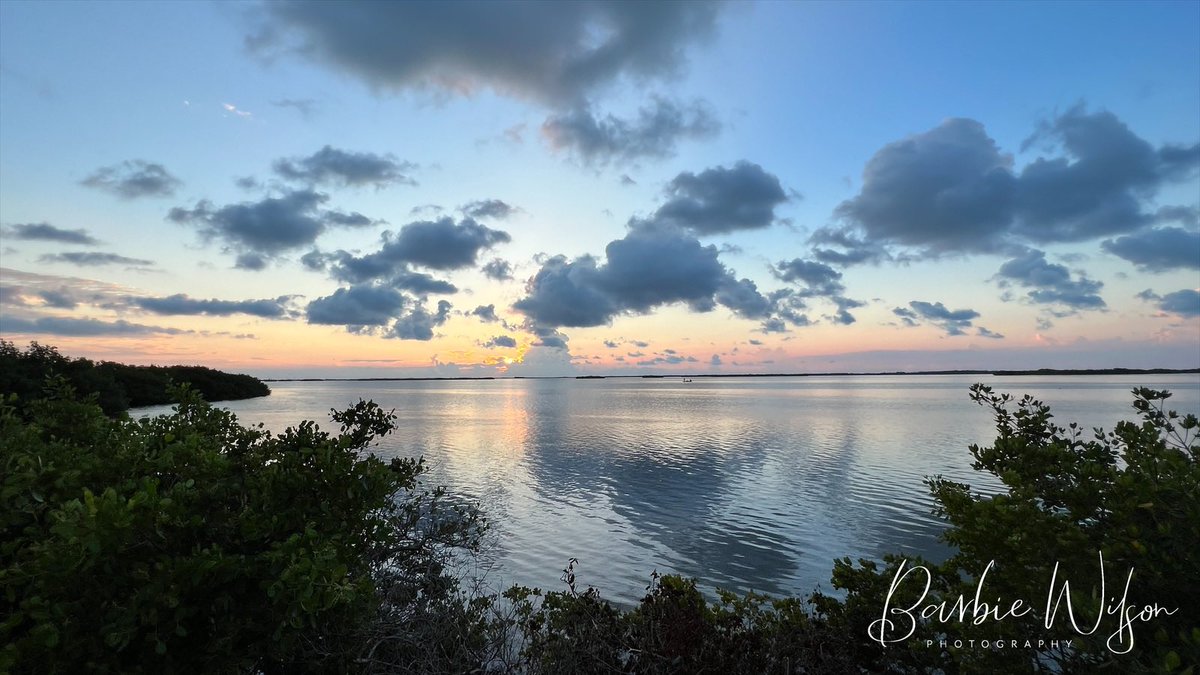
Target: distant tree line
(116, 386)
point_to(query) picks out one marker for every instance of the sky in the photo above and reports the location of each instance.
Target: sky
(371, 189)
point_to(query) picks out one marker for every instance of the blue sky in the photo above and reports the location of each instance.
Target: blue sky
(473, 189)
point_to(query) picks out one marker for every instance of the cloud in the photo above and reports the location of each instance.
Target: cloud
(722, 200)
(556, 53)
(817, 280)
(180, 304)
(954, 322)
(422, 284)
(334, 167)
(983, 332)
(715, 360)
(850, 250)
(948, 189)
(76, 327)
(357, 307)
(134, 178)
(653, 133)
(500, 341)
(437, 244)
(93, 259)
(48, 232)
(418, 324)
(1185, 303)
(1159, 249)
(485, 313)
(1050, 283)
(951, 190)
(650, 266)
(269, 226)
(488, 208)
(250, 261)
(497, 269)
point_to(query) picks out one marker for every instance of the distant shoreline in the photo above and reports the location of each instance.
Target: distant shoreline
(994, 373)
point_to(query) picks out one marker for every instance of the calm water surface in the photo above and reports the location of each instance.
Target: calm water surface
(744, 483)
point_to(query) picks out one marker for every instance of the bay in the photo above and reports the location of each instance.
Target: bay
(744, 483)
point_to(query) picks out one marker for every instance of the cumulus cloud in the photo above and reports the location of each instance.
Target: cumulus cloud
(48, 232)
(654, 133)
(488, 208)
(181, 304)
(1158, 249)
(557, 53)
(816, 280)
(497, 269)
(269, 226)
(722, 200)
(485, 313)
(952, 190)
(953, 321)
(422, 284)
(1185, 303)
(418, 324)
(357, 307)
(436, 244)
(250, 261)
(1050, 283)
(331, 166)
(501, 341)
(134, 178)
(93, 259)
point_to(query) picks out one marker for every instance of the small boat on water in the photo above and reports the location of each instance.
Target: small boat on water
(687, 379)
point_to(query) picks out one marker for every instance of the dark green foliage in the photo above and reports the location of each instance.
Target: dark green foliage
(189, 543)
(116, 386)
(1131, 495)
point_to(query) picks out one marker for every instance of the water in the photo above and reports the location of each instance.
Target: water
(744, 483)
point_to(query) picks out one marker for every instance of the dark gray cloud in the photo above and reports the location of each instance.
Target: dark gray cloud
(547, 336)
(951, 190)
(1050, 283)
(816, 280)
(250, 261)
(1159, 249)
(715, 360)
(848, 249)
(651, 266)
(357, 307)
(557, 53)
(60, 299)
(948, 189)
(953, 321)
(501, 341)
(485, 313)
(331, 166)
(72, 327)
(269, 226)
(48, 232)
(983, 332)
(134, 178)
(437, 244)
(422, 284)
(1185, 215)
(93, 259)
(488, 208)
(610, 344)
(907, 316)
(180, 304)
(1185, 303)
(418, 324)
(654, 133)
(722, 200)
(500, 270)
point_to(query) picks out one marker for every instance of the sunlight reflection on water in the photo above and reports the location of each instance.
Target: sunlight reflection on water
(744, 483)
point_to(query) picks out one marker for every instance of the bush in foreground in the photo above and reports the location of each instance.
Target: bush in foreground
(189, 543)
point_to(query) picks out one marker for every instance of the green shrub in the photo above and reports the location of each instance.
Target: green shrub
(189, 543)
